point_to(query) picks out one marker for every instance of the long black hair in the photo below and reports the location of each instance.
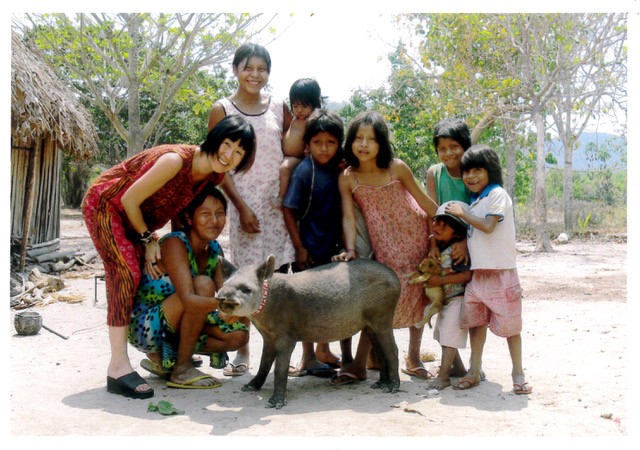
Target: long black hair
(381, 131)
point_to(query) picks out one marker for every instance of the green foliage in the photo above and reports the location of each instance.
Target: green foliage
(74, 181)
(131, 67)
(163, 407)
(583, 224)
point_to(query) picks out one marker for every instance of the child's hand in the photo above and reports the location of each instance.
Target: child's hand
(434, 281)
(454, 209)
(434, 251)
(347, 255)
(303, 260)
(459, 253)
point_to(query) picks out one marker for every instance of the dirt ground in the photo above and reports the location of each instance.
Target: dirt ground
(575, 341)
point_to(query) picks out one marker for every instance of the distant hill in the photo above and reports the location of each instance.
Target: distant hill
(580, 160)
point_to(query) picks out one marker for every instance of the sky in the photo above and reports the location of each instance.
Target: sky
(340, 52)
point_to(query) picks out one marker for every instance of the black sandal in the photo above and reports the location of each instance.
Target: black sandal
(126, 386)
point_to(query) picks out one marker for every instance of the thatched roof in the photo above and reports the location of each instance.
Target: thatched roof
(41, 103)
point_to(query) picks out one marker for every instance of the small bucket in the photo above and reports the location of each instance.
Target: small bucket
(27, 323)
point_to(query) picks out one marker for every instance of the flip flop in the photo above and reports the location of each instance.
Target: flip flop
(155, 369)
(523, 388)
(334, 365)
(415, 372)
(232, 370)
(321, 370)
(462, 384)
(190, 384)
(126, 386)
(344, 378)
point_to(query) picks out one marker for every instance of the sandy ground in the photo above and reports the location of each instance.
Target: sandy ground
(575, 341)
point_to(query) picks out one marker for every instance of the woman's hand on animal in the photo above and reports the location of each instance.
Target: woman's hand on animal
(151, 258)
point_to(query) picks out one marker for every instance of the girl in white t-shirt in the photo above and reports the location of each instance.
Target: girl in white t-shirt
(493, 296)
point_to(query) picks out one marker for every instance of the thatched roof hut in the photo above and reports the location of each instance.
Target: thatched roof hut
(46, 119)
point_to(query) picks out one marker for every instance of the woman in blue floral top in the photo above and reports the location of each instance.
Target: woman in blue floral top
(175, 315)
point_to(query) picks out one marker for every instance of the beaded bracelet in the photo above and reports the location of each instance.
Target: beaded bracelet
(146, 237)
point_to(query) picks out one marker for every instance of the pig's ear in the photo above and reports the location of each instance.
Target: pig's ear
(265, 271)
(226, 268)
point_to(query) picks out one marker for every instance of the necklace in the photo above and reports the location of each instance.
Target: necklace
(263, 300)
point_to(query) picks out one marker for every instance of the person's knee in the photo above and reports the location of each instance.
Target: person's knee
(237, 339)
(204, 285)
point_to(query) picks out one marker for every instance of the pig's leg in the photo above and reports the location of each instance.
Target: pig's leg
(281, 371)
(266, 361)
(389, 378)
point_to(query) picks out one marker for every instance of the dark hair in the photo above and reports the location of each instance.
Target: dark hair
(381, 131)
(455, 129)
(209, 190)
(483, 157)
(459, 230)
(233, 127)
(305, 91)
(246, 51)
(322, 120)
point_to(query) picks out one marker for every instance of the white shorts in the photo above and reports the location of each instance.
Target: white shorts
(447, 330)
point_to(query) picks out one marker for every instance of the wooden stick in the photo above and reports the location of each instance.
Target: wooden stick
(54, 332)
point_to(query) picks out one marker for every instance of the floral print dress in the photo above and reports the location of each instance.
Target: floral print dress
(258, 187)
(397, 229)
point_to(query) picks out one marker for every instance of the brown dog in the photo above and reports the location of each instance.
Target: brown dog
(427, 268)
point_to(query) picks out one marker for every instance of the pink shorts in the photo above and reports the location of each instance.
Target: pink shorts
(493, 297)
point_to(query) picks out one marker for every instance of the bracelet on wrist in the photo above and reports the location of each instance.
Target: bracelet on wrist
(146, 237)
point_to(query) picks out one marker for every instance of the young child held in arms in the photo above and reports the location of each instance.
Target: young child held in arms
(447, 230)
(395, 211)
(493, 296)
(304, 97)
(312, 216)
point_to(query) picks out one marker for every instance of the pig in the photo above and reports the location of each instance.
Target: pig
(324, 304)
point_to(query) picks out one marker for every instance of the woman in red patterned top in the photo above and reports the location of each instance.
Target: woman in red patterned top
(127, 203)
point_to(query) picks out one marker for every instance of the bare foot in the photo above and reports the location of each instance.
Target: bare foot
(187, 376)
(329, 358)
(439, 384)
(471, 379)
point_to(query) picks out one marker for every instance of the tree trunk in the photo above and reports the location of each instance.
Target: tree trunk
(569, 219)
(510, 150)
(543, 244)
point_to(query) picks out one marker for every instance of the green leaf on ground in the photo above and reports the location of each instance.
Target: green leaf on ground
(163, 407)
